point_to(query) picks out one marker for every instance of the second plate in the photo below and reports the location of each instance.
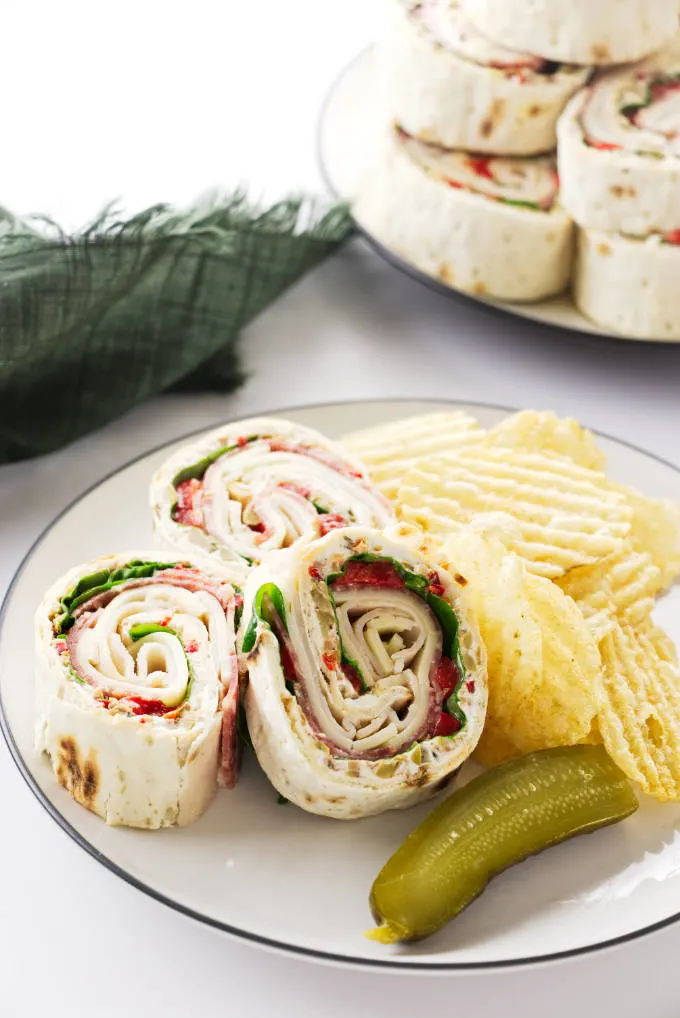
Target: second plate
(348, 129)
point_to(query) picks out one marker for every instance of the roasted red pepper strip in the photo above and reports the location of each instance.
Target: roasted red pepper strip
(155, 707)
(481, 166)
(446, 725)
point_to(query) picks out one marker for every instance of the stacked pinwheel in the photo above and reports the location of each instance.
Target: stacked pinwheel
(466, 185)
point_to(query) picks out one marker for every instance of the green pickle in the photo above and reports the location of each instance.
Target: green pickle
(498, 819)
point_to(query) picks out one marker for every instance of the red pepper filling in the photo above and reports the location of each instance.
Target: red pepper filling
(445, 674)
(482, 167)
(673, 237)
(330, 521)
(188, 511)
(435, 585)
(142, 706)
(603, 146)
(446, 725)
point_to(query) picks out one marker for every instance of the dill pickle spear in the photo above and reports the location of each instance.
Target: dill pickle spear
(498, 819)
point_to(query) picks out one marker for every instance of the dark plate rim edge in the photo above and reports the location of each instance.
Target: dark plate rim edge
(233, 931)
(459, 296)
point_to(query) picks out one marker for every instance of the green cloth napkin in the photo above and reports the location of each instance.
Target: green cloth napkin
(91, 325)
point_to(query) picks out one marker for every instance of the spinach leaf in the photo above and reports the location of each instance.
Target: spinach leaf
(196, 470)
(98, 583)
(268, 597)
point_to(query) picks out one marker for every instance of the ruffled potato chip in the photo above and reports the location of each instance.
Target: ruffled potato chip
(640, 713)
(553, 513)
(655, 531)
(622, 586)
(536, 431)
(543, 662)
(391, 450)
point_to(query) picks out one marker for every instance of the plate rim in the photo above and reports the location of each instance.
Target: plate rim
(396, 261)
(256, 939)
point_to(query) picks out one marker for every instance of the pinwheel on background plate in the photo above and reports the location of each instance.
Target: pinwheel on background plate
(629, 284)
(578, 31)
(619, 163)
(447, 84)
(367, 677)
(137, 687)
(619, 149)
(491, 226)
(249, 488)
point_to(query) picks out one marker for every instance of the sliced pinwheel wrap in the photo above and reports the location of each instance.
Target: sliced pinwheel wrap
(577, 31)
(137, 687)
(619, 149)
(628, 284)
(367, 676)
(248, 489)
(447, 84)
(489, 226)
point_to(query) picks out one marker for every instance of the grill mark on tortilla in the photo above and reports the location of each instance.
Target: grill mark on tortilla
(80, 777)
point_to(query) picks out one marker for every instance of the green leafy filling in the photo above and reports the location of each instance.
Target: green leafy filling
(196, 471)
(147, 628)
(242, 727)
(521, 204)
(268, 597)
(74, 675)
(98, 583)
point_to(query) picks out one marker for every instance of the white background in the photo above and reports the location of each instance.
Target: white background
(151, 101)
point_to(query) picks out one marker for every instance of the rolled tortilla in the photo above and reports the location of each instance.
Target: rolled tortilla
(137, 687)
(628, 284)
(578, 31)
(619, 149)
(445, 83)
(492, 227)
(250, 488)
(367, 677)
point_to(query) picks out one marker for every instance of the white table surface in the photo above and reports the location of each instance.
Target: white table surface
(216, 93)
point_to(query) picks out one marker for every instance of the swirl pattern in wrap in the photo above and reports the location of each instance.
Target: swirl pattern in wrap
(461, 90)
(489, 226)
(619, 149)
(367, 677)
(250, 488)
(137, 687)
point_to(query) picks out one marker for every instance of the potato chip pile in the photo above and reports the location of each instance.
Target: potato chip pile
(562, 566)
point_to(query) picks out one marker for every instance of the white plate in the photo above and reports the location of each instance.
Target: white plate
(349, 129)
(288, 880)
